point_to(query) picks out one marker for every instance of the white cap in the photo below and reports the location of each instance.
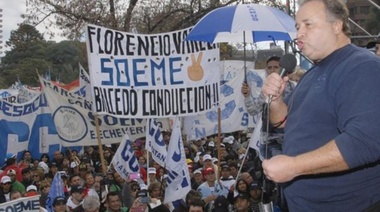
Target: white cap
(214, 160)
(31, 187)
(198, 171)
(211, 143)
(44, 166)
(151, 170)
(206, 157)
(143, 187)
(5, 179)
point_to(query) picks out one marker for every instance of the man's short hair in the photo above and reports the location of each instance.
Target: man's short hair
(273, 58)
(112, 193)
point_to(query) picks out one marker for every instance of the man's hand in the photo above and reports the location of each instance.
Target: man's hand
(274, 86)
(245, 89)
(280, 168)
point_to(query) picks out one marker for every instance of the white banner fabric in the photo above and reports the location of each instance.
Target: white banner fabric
(151, 75)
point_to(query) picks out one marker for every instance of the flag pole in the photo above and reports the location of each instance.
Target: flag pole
(219, 141)
(104, 169)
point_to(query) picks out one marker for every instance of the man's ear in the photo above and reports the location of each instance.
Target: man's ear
(338, 26)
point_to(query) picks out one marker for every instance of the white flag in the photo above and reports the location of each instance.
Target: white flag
(254, 142)
(178, 175)
(124, 160)
(155, 142)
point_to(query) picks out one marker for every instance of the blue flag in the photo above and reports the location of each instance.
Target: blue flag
(56, 190)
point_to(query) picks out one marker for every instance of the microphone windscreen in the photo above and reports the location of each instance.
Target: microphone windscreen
(288, 62)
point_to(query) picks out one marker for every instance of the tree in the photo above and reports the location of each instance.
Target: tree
(24, 36)
(143, 16)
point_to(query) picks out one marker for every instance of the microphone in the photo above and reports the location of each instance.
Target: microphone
(287, 63)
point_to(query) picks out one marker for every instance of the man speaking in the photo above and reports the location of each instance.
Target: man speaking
(331, 146)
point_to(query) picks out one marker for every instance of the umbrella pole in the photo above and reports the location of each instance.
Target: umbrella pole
(245, 58)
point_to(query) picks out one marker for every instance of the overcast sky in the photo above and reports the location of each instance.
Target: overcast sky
(11, 17)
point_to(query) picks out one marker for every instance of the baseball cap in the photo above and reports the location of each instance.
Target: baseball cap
(224, 166)
(52, 164)
(211, 143)
(152, 170)
(254, 185)
(220, 204)
(197, 172)
(207, 157)
(11, 172)
(78, 189)
(59, 199)
(10, 155)
(142, 193)
(242, 196)
(31, 188)
(208, 170)
(5, 179)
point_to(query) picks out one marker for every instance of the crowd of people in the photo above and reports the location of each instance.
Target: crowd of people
(86, 188)
(322, 145)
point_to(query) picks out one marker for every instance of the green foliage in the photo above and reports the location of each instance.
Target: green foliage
(31, 55)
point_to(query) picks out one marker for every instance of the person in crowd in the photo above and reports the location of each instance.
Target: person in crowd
(26, 177)
(76, 198)
(5, 189)
(375, 46)
(16, 185)
(211, 188)
(297, 74)
(247, 177)
(75, 180)
(59, 204)
(226, 179)
(152, 175)
(234, 169)
(44, 191)
(108, 154)
(11, 163)
(255, 105)
(332, 141)
(155, 190)
(242, 203)
(196, 206)
(89, 189)
(255, 192)
(31, 191)
(26, 160)
(15, 195)
(197, 179)
(241, 187)
(142, 161)
(113, 203)
(45, 158)
(118, 182)
(91, 204)
(58, 158)
(38, 176)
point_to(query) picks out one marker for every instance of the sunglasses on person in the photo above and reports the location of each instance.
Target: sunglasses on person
(45, 187)
(7, 183)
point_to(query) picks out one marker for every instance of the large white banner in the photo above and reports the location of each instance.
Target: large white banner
(234, 116)
(151, 76)
(75, 122)
(30, 204)
(178, 182)
(28, 126)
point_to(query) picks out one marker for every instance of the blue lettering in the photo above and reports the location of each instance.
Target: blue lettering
(104, 69)
(174, 70)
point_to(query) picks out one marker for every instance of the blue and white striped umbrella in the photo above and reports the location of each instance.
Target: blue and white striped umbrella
(244, 23)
